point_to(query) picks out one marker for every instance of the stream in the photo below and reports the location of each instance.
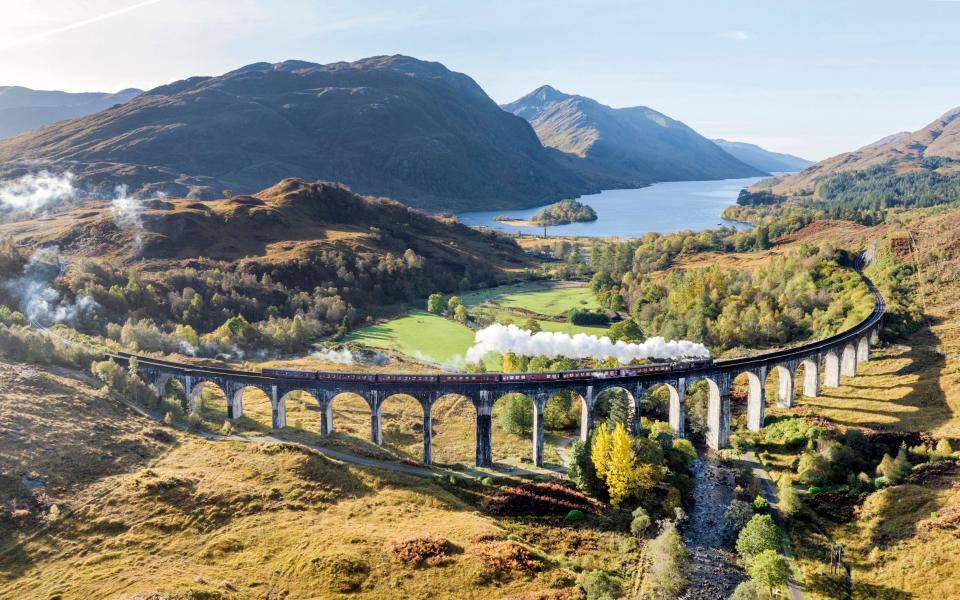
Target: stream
(714, 571)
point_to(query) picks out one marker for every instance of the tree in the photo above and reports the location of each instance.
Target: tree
(813, 468)
(558, 413)
(895, 469)
(582, 471)
(600, 451)
(532, 325)
(769, 570)
(747, 590)
(619, 411)
(516, 415)
(759, 534)
(640, 522)
(435, 304)
(460, 313)
(789, 502)
(737, 515)
(622, 475)
(298, 333)
(669, 572)
(626, 330)
(453, 303)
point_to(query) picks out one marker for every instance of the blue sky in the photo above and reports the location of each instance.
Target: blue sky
(813, 78)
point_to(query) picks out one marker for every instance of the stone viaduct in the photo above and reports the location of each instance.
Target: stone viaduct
(822, 362)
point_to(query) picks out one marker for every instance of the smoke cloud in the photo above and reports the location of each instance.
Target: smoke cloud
(35, 191)
(340, 357)
(510, 338)
(39, 301)
(126, 212)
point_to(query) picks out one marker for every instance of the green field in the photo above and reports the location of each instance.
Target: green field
(545, 298)
(436, 339)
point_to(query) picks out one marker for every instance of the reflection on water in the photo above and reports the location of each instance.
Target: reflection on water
(661, 207)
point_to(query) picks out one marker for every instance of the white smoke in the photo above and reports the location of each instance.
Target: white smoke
(126, 212)
(510, 338)
(35, 191)
(39, 301)
(340, 357)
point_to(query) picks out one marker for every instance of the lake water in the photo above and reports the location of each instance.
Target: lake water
(661, 207)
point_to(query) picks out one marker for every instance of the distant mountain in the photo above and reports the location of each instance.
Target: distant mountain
(387, 125)
(941, 138)
(765, 160)
(23, 109)
(635, 146)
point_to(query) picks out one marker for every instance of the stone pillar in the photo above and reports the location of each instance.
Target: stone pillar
(375, 430)
(811, 378)
(831, 370)
(326, 412)
(279, 408)
(755, 401)
(718, 416)
(848, 362)
(484, 429)
(427, 433)
(785, 387)
(235, 404)
(539, 402)
(863, 349)
(188, 391)
(678, 408)
(637, 394)
(586, 414)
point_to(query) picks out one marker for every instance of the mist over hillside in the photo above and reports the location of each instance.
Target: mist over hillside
(23, 109)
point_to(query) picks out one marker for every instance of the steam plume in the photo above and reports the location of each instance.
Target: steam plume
(510, 338)
(39, 301)
(35, 191)
(126, 215)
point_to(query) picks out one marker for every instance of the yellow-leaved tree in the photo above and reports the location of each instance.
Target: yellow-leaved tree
(621, 469)
(600, 451)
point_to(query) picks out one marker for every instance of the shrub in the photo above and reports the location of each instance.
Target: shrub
(194, 419)
(500, 558)
(600, 585)
(813, 468)
(758, 535)
(538, 499)
(737, 515)
(669, 572)
(746, 591)
(640, 522)
(896, 469)
(789, 502)
(760, 504)
(227, 428)
(516, 414)
(575, 515)
(487, 481)
(417, 551)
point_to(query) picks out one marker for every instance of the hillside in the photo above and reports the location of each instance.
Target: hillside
(281, 223)
(941, 138)
(762, 159)
(22, 109)
(635, 145)
(388, 125)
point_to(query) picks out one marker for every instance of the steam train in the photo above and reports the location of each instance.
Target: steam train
(544, 376)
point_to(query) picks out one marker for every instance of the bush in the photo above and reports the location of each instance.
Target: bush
(759, 534)
(538, 499)
(600, 585)
(417, 551)
(487, 481)
(575, 515)
(516, 414)
(669, 572)
(747, 591)
(895, 470)
(500, 558)
(227, 428)
(760, 504)
(813, 469)
(640, 522)
(736, 517)
(789, 502)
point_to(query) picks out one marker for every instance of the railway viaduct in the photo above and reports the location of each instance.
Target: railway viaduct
(823, 363)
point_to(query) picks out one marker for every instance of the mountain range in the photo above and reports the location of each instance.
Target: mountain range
(941, 138)
(22, 109)
(391, 126)
(765, 160)
(637, 145)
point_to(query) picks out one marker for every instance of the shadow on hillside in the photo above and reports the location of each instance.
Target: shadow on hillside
(918, 405)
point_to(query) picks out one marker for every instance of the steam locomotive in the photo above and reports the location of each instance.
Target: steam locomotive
(544, 376)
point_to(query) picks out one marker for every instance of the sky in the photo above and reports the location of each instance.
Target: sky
(813, 78)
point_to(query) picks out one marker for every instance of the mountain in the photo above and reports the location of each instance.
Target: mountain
(22, 109)
(635, 146)
(387, 125)
(941, 138)
(765, 160)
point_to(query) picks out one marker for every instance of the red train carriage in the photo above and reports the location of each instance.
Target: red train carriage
(470, 378)
(544, 376)
(290, 374)
(405, 378)
(347, 376)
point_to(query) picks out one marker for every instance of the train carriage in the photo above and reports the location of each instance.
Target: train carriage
(289, 374)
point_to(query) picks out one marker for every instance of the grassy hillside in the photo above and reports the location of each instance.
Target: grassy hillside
(191, 518)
